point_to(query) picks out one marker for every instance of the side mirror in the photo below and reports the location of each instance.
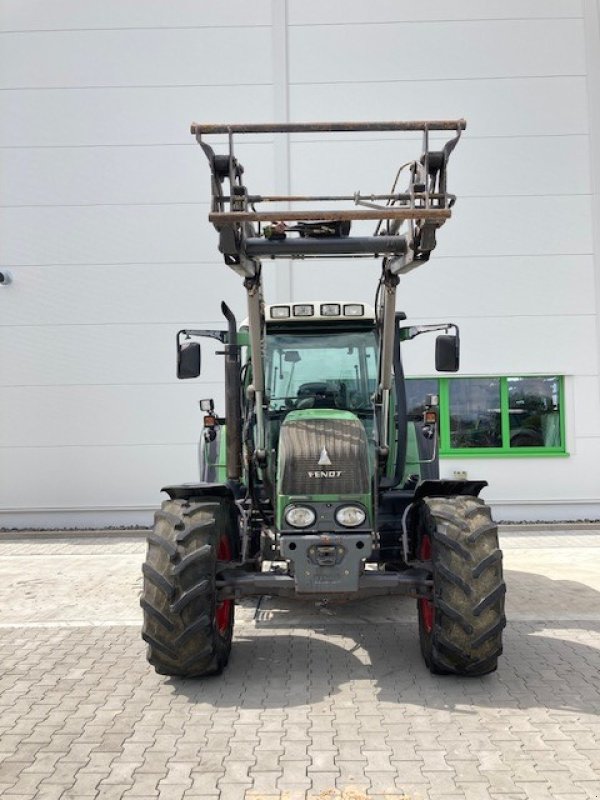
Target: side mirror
(447, 353)
(188, 360)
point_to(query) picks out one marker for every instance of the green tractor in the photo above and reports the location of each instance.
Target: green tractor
(316, 483)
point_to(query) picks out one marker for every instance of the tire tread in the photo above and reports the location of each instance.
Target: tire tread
(179, 593)
(468, 591)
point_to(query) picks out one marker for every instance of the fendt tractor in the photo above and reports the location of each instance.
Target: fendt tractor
(316, 483)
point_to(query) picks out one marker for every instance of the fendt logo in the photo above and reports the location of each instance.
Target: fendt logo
(324, 461)
(325, 473)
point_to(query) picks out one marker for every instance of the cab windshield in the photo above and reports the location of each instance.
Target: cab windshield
(321, 370)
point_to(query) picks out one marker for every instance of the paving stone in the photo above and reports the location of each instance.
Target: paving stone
(501, 782)
(352, 774)
(412, 791)
(323, 784)
(28, 783)
(86, 783)
(435, 760)
(382, 783)
(143, 786)
(474, 790)
(467, 771)
(212, 761)
(294, 773)
(266, 761)
(121, 772)
(205, 782)
(409, 772)
(178, 773)
(46, 792)
(236, 771)
(376, 761)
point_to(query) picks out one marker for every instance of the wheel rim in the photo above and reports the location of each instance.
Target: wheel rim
(426, 607)
(224, 609)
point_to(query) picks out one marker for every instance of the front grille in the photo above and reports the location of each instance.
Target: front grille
(301, 446)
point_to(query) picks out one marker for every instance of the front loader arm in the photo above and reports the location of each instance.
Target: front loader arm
(404, 237)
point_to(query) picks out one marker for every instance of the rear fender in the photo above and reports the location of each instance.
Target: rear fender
(445, 488)
(196, 491)
(411, 520)
(222, 494)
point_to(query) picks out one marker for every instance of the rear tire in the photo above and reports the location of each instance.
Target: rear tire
(187, 630)
(460, 627)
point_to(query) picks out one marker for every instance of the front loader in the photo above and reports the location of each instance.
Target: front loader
(316, 484)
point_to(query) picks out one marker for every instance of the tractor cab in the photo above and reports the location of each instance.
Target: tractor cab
(321, 355)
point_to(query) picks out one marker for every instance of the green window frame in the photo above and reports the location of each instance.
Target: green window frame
(503, 426)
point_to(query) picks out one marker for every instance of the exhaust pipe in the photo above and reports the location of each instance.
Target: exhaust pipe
(233, 397)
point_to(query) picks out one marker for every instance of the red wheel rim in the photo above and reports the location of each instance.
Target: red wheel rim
(426, 608)
(224, 609)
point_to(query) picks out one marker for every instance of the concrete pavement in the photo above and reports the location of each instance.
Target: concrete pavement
(324, 702)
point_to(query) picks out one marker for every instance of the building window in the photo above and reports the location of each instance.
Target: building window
(505, 416)
(534, 412)
(475, 414)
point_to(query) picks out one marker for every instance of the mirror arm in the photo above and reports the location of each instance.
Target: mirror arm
(212, 334)
(411, 331)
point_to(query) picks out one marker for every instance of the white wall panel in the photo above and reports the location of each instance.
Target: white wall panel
(73, 14)
(97, 354)
(514, 480)
(533, 165)
(510, 107)
(445, 287)
(586, 407)
(107, 234)
(131, 293)
(469, 49)
(494, 226)
(78, 117)
(514, 345)
(121, 175)
(315, 12)
(150, 57)
(511, 287)
(354, 280)
(61, 416)
(76, 477)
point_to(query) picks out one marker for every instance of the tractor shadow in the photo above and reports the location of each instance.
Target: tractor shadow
(300, 655)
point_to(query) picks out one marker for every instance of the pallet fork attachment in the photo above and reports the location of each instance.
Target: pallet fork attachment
(425, 204)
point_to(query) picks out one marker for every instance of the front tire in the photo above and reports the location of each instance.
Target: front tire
(460, 626)
(187, 628)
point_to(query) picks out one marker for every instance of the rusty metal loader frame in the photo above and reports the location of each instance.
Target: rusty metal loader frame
(424, 206)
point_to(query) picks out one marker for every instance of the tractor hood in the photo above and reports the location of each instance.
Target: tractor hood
(323, 456)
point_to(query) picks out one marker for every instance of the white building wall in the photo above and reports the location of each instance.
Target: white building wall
(104, 229)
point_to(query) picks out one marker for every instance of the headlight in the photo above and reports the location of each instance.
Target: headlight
(350, 516)
(280, 312)
(304, 311)
(354, 310)
(300, 516)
